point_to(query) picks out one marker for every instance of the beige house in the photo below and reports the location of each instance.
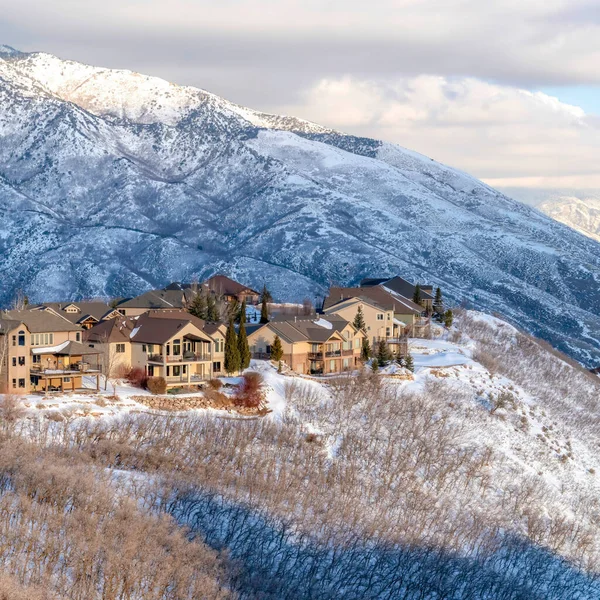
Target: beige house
(217, 332)
(15, 358)
(316, 346)
(86, 314)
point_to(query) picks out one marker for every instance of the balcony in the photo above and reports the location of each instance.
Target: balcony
(315, 356)
(181, 358)
(333, 354)
(75, 369)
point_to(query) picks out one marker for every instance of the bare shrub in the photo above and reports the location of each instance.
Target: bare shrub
(249, 391)
(11, 409)
(137, 377)
(157, 385)
(215, 384)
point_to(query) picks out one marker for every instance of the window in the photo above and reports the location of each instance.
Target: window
(14, 361)
(346, 363)
(67, 380)
(36, 359)
(78, 336)
(357, 343)
(150, 348)
(14, 340)
(21, 361)
(176, 347)
(217, 367)
(144, 348)
(332, 365)
(120, 348)
(21, 338)
(184, 369)
(389, 317)
(168, 371)
(387, 332)
(42, 339)
(72, 309)
(176, 371)
(380, 316)
(14, 383)
(21, 383)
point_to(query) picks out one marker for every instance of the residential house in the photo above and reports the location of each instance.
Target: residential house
(217, 331)
(167, 299)
(15, 357)
(56, 357)
(310, 345)
(401, 310)
(222, 286)
(174, 347)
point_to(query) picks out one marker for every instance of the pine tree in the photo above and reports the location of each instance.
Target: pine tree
(375, 365)
(264, 311)
(359, 320)
(400, 360)
(243, 347)
(409, 363)
(365, 351)
(448, 318)
(232, 352)
(383, 353)
(198, 307)
(212, 313)
(417, 294)
(276, 349)
(438, 303)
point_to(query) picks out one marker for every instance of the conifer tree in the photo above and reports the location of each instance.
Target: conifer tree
(198, 307)
(383, 353)
(242, 312)
(448, 318)
(365, 351)
(417, 294)
(264, 311)
(276, 349)
(409, 363)
(438, 303)
(243, 347)
(359, 320)
(232, 352)
(212, 313)
(400, 360)
(375, 365)
(265, 295)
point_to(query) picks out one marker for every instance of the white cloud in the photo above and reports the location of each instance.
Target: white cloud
(504, 135)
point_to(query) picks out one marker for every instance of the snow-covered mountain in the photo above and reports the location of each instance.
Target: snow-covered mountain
(576, 208)
(112, 182)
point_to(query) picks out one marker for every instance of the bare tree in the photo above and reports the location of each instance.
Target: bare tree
(112, 362)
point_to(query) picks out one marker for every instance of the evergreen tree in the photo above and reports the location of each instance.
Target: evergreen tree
(198, 307)
(359, 320)
(383, 353)
(232, 352)
(438, 303)
(242, 312)
(264, 311)
(265, 295)
(448, 318)
(375, 365)
(212, 313)
(417, 294)
(243, 347)
(409, 363)
(400, 360)
(276, 349)
(365, 351)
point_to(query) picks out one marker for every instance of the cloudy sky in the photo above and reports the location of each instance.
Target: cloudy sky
(508, 90)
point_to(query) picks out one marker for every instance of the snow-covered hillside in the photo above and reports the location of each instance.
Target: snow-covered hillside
(112, 182)
(476, 479)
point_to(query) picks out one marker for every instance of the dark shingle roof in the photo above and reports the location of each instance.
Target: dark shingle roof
(387, 300)
(156, 299)
(42, 321)
(113, 330)
(223, 285)
(95, 309)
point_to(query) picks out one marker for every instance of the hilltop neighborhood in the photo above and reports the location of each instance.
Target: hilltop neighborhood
(187, 334)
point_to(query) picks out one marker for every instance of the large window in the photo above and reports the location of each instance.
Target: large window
(176, 347)
(21, 339)
(380, 316)
(42, 339)
(120, 348)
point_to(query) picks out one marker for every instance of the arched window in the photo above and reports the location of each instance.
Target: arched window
(21, 338)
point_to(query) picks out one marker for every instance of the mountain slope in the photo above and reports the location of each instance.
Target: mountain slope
(112, 182)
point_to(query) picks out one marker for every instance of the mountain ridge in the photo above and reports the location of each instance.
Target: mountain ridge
(112, 182)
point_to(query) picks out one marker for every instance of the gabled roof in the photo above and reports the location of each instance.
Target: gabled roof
(225, 286)
(307, 329)
(95, 309)
(378, 294)
(113, 330)
(8, 325)
(399, 285)
(41, 321)
(152, 329)
(69, 348)
(156, 299)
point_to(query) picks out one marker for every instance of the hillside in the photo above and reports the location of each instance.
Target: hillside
(477, 479)
(112, 183)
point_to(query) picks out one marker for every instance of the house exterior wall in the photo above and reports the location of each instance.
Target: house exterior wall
(17, 364)
(379, 323)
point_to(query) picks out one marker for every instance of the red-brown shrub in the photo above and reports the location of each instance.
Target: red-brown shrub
(157, 385)
(248, 393)
(215, 384)
(137, 377)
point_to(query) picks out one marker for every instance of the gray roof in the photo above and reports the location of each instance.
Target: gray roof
(156, 299)
(152, 329)
(7, 325)
(42, 321)
(304, 329)
(399, 285)
(91, 308)
(378, 295)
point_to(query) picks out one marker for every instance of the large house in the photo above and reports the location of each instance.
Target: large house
(325, 345)
(394, 310)
(165, 343)
(167, 299)
(230, 290)
(45, 353)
